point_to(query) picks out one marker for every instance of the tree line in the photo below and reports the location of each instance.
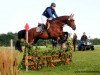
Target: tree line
(5, 40)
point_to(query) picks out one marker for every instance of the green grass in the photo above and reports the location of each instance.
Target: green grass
(83, 63)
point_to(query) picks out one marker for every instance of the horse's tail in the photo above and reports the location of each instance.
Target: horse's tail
(18, 45)
(21, 35)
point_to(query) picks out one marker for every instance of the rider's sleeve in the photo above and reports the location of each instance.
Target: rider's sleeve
(55, 14)
(50, 13)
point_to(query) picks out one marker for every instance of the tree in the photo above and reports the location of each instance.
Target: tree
(95, 41)
(5, 38)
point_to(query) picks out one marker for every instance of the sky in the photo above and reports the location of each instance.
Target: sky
(14, 14)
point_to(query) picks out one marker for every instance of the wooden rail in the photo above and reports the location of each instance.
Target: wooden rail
(38, 62)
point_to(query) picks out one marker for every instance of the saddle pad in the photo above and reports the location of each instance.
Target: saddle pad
(39, 29)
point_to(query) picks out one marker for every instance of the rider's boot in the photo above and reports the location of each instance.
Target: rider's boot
(43, 27)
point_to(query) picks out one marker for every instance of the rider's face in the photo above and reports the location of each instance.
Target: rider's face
(53, 7)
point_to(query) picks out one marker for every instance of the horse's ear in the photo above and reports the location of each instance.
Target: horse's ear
(71, 15)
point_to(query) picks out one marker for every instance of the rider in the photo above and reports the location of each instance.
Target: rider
(49, 14)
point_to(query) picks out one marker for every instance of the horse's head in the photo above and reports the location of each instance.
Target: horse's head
(70, 22)
(62, 20)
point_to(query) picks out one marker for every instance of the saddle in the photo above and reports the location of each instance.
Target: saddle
(41, 27)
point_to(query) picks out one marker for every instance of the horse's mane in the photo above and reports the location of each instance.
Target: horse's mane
(60, 18)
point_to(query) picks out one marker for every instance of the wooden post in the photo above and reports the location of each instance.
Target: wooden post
(11, 44)
(27, 50)
(27, 27)
(11, 47)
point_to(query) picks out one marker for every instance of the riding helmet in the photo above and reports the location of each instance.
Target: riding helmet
(53, 4)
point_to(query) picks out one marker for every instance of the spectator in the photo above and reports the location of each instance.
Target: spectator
(74, 41)
(84, 38)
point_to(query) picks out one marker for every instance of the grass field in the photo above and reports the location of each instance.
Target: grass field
(83, 63)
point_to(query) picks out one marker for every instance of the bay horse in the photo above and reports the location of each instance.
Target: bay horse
(55, 30)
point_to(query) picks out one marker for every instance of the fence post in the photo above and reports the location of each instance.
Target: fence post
(11, 47)
(11, 44)
(27, 50)
(27, 27)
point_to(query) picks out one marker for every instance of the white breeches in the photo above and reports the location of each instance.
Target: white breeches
(44, 19)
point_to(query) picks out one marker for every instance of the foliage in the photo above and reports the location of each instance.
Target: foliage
(83, 63)
(42, 42)
(37, 54)
(95, 41)
(5, 38)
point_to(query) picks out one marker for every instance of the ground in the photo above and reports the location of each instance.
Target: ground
(83, 63)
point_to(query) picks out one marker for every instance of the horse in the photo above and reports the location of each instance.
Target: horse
(55, 30)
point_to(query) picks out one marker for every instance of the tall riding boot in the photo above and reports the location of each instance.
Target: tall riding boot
(43, 27)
